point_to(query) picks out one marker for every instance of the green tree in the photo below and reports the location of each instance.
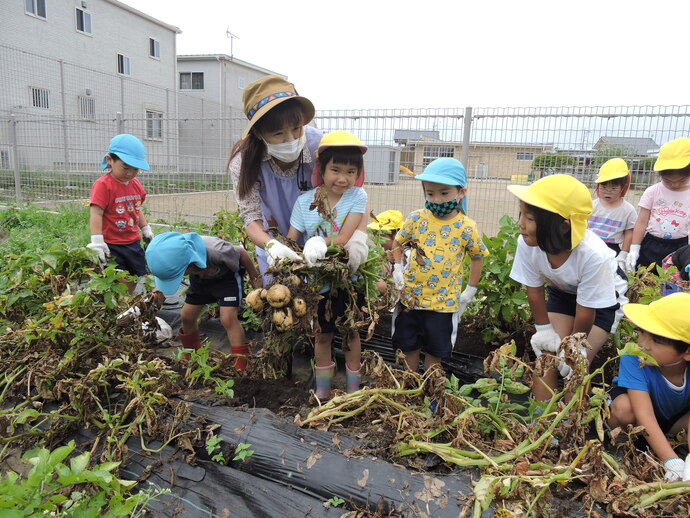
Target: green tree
(607, 152)
(551, 163)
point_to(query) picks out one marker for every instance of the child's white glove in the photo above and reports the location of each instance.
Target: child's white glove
(631, 260)
(686, 472)
(675, 468)
(398, 277)
(465, 298)
(276, 251)
(314, 250)
(621, 259)
(357, 250)
(147, 233)
(545, 339)
(565, 369)
(100, 247)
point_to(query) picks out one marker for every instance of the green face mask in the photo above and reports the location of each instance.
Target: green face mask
(442, 209)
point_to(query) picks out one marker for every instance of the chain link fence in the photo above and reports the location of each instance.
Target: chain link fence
(52, 140)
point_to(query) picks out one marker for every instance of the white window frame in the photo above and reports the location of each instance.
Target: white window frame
(34, 8)
(154, 125)
(154, 48)
(524, 155)
(87, 107)
(40, 97)
(432, 152)
(85, 20)
(190, 82)
(124, 65)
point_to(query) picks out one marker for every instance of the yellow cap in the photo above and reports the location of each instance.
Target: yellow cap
(387, 220)
(612, 169)
(666, 317)
(340, 138)
(673, 155)
(562, 194)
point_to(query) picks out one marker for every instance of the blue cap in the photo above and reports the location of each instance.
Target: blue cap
(129, 149)
(168, 256)
(447, 171)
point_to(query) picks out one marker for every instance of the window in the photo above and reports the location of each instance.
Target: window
(83, 21)
(4, 159)
(191, 80)
(36, 7)
(154, 48)
(154, 125)
(87, 107)
(240, 83)
(39, 98)
(123, 65)
(431, 153)
(524, 155)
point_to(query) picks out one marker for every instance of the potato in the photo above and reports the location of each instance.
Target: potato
(254, 300)
(282, 319)
(264, 293)
(278, 296)
(294, 280)
(299, 306)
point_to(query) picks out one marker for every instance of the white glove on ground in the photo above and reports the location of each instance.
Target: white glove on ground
(465, 298)
(398, 276)
(276, 251)
(686, 472)
(314, 250)
(565, 369)
(620, 259)
(357, 250)
(545, 339)
(100, 247)
(675, 468)
(147, 233)
(631, 260)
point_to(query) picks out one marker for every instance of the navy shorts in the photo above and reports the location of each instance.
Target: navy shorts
(338, 306)
(654, 249)
(566, 303)
(130, 258)
(431, 331)
(225, 290)
(664, 424)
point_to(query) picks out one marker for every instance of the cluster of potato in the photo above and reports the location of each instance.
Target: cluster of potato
(282, 306)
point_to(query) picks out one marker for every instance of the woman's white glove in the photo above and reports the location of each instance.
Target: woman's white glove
(621, 259)
(147, 233)
(398, 277)
(100, 247)
(276, 251)
(465, 298)
(675, 469)
(686, 472)
(545, 339)
(357, 250)
(631, 260)
(565, 369)
(314, 250)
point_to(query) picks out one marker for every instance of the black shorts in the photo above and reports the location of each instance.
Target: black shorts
(614, 246)
(225, 290)
(130, 258)
(338, 300)
(654, 249)
(431, 331)
(566, 304)
(664, 424)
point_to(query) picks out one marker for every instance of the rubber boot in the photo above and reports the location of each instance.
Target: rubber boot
(242, 353)
(324, 376)
(353, 380)
(189, 341)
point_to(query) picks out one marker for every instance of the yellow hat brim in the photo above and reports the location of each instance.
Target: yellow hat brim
(665, 317)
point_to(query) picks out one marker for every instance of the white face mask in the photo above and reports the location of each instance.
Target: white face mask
(287, 151)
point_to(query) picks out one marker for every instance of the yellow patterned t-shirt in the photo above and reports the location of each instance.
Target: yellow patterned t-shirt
(434, 281)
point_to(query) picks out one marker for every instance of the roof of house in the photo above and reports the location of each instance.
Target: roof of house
(225, 57)
(405, 135)
(641, 145)
(150, 18)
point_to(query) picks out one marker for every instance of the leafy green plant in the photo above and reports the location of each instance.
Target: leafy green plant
(213, 448)
(336, 501)
(201, 371)
(243, 452)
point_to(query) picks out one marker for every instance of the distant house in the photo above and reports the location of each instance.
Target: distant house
(637, 146)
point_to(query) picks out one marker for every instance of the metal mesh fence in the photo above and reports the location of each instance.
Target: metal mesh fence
(52, 140)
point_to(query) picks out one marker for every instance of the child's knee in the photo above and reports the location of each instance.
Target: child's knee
(229, 318)
(622, 411)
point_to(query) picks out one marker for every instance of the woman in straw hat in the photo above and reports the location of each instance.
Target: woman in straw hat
(273, 164)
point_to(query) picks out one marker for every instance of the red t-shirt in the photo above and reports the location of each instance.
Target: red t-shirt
(121, 206)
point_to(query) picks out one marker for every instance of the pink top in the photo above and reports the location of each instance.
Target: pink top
(669, 211)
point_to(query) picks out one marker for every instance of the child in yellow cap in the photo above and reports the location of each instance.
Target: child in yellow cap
(613, 218)
(663, 224)
(387, 224)
(657, 396)
(558, 256)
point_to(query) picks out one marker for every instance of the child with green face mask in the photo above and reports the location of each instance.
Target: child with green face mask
(438, 237)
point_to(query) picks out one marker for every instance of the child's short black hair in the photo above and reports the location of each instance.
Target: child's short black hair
(553, 232)
(619, 182)
(348, 155)
(679, 345)
(683, 170)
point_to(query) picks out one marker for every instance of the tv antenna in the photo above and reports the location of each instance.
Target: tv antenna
(232, 38)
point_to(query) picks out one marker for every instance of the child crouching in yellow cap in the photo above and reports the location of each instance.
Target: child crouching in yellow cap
(386, 224)
(558, 256)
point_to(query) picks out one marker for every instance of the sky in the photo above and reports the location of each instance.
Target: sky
(378, 54)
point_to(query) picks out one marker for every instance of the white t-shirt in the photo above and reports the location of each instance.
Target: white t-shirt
(610, 224)
(669, 216)
(589, 272)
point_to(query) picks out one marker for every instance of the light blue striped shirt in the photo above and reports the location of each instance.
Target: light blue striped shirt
(310, 223)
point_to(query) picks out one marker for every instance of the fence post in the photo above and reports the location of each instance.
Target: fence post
(118, 122)
(15, 159)
(65, 140)
(467, 127)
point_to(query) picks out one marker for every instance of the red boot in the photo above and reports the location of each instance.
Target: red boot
(242, 353)
(189, 341)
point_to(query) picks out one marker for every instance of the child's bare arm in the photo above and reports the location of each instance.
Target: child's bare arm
(537, 303)
(254, 276)
(96, 219)
(142, 220)
(293, 233)
(644, 415)
(640, 226)
(584, 319)
(476, 264)
(627, 239)
(351, 223)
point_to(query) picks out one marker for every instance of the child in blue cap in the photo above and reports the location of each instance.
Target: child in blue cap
(438, 237)
(215, 268)
(115, 206)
